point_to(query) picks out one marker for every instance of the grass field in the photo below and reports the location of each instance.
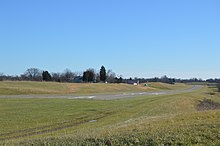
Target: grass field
(24, 88)
(146, 120)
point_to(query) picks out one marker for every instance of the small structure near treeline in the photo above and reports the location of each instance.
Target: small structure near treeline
(78, 79)
(133, 82)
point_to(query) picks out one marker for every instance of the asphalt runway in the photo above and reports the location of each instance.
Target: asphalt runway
(107, 96)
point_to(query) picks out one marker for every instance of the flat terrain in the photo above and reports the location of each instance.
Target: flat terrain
(111, 96)
(177, 118)
(33, 88)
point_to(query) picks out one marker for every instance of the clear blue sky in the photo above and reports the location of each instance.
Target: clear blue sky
(141, 38)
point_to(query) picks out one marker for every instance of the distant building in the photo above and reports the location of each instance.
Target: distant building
(133, 82)
(78, 79)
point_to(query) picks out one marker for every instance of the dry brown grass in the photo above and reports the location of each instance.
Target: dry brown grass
(16, 87)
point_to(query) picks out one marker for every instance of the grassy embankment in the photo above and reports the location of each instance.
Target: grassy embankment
(24, 88)
(150, 120)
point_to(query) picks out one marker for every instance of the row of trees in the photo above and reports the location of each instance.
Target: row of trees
(90, 75)
(103, 76)
(34, 74)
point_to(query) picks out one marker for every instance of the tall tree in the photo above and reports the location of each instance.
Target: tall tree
(89, 75)
(103, 75)
(46, 76)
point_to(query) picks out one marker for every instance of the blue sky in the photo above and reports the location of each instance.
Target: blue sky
(143, 38)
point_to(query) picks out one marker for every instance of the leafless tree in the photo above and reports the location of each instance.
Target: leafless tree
(67, 75)
(33, 74)
(56, 77)
(1, 76)
(111, 76)
(97, 78)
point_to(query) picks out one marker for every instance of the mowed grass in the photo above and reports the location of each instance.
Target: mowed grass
(24, 88)
(147, 120)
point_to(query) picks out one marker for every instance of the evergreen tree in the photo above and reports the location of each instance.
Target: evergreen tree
(46, 76)
(103, 75)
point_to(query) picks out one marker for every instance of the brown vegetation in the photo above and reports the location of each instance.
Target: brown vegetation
(208, 104)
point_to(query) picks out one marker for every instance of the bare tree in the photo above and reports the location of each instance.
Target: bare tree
(33, 74)
(97, 78)
(67, 76)
(1, 76)
(111, 76)
(56, 77)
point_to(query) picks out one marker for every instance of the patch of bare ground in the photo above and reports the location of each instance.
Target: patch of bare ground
(208, 104)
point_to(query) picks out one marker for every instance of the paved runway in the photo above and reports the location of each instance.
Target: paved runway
(107, 96)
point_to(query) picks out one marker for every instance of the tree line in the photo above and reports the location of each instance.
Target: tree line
(90, 75)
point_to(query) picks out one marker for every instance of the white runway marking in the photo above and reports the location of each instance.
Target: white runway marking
(82, 97)
(90, 97)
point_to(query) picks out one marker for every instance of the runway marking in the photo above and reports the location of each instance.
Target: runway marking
(82, 97)
(90, 97)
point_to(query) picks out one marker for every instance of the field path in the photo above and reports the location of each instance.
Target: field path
(107, 96)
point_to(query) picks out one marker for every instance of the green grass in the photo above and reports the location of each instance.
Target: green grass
(164, 86)
(16, 87)
(24, 88)
(146, 120)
